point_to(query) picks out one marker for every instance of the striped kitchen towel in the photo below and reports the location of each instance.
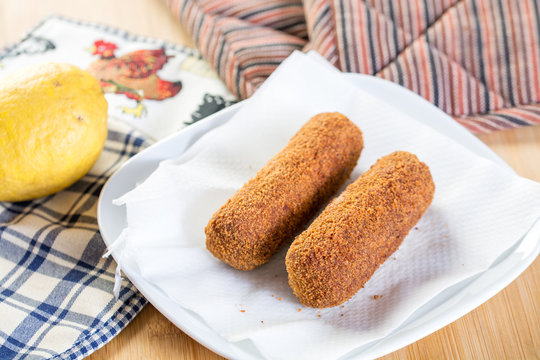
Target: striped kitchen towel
(478, 60)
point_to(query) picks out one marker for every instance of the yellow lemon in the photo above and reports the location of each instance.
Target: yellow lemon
(53, 125)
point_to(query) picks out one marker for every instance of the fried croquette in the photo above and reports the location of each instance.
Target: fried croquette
(272, 207)
(337, 254)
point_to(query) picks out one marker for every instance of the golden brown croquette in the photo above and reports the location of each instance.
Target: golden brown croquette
(272, 207)
(338, 253)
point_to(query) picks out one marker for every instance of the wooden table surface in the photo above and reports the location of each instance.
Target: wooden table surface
(505, 327)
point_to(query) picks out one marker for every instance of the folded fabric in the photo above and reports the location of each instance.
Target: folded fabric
(478, 60)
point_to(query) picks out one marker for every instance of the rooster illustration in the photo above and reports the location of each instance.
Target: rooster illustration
(133, 74)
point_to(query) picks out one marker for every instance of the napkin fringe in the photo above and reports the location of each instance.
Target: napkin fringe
(119, 242)
(117, 281)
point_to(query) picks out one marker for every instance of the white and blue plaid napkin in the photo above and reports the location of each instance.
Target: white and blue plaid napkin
(56, 289)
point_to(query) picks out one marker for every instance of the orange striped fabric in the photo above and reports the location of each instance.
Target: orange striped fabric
(478, 60)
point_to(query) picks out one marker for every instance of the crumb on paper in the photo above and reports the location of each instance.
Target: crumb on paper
(375, 297)
(318, 315)
(416, 228)
(299, 309)
(279, 298)
(262, 322)
(242, 310)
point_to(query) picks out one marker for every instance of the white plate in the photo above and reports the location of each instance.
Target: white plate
(446, 307)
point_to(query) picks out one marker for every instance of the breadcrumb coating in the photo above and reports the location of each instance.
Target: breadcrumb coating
(332, 259)
(272, 207)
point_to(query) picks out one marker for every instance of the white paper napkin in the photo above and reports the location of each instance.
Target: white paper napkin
(479, 210)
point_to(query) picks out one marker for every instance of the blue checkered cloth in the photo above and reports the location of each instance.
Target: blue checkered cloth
(56, 289)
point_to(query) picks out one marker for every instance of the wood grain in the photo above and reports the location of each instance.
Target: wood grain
(505, 327)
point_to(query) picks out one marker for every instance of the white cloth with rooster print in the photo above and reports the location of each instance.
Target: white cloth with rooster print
(156, 87)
